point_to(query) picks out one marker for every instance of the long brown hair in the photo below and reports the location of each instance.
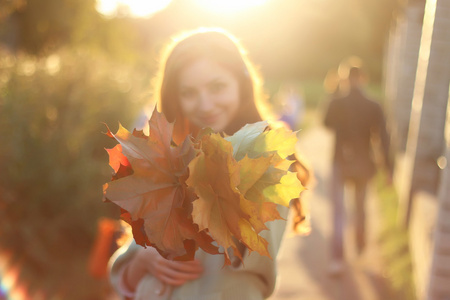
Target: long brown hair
(222, 48)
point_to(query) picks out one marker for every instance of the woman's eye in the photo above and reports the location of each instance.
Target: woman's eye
(217, 87)
(187, 93)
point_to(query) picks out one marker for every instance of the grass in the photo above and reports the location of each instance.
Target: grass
(394, 244)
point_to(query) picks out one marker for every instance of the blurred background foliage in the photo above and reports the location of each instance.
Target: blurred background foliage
(65, 69)
(53, 160)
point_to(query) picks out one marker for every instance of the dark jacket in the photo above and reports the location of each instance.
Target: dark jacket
(356, 120)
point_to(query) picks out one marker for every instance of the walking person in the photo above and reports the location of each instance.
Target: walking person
(355, 121)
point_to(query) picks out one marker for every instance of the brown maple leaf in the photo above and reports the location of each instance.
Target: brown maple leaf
(154, 197)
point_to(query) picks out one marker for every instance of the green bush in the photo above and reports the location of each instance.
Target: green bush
(53, 162)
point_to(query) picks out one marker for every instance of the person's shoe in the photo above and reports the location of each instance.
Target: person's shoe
(336, 268)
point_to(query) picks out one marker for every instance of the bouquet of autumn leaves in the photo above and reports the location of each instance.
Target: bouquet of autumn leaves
(209, 192)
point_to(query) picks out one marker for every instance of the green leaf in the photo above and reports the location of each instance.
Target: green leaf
(244, 139)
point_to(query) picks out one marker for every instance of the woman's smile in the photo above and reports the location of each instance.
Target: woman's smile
(209, 119)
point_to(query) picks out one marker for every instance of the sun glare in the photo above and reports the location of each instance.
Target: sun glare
(229, 6)
(136, 8)
(146, 8)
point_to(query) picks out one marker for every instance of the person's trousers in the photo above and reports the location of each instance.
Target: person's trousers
(337, 198)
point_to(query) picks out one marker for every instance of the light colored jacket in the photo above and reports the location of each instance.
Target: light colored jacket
(254, 279)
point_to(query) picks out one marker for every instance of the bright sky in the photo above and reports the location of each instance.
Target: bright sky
(145, 8)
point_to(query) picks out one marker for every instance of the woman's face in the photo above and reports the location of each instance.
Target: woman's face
(209, 94)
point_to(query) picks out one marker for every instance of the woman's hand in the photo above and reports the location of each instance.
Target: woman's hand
(169, 272)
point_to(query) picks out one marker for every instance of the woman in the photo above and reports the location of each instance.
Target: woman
(205, 81)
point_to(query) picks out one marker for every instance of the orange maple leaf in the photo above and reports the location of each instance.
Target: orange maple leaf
(214, 176)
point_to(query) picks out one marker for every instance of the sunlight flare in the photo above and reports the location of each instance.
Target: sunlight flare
(136, 8)
(146, 8)
(230, 6)
(9, 279)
